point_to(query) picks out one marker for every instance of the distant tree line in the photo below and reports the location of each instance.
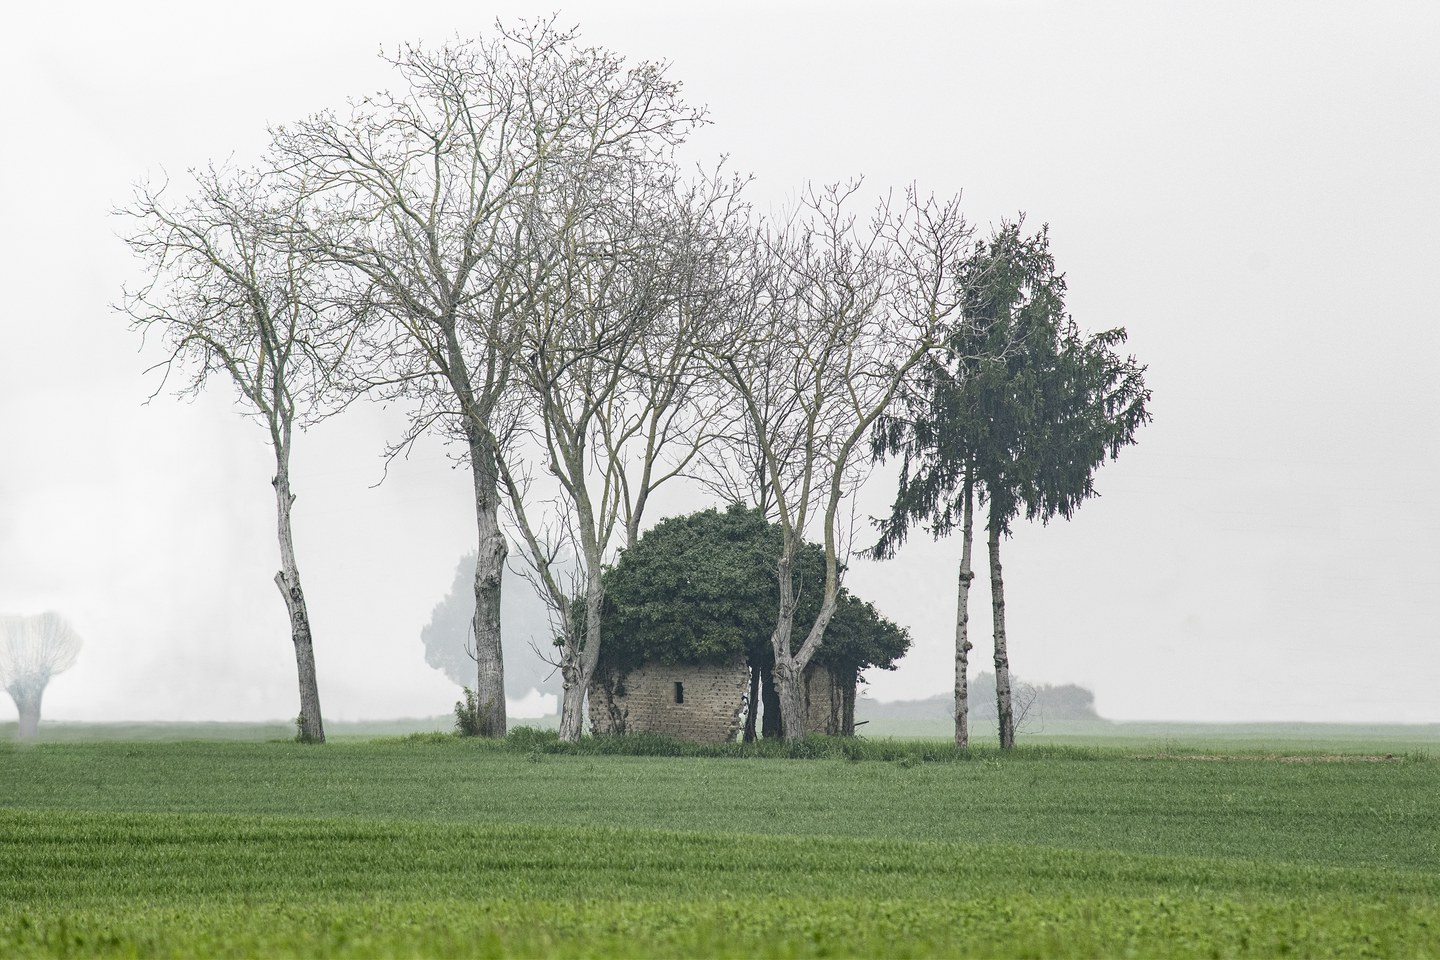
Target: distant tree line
(1035, 704)
(507, 245)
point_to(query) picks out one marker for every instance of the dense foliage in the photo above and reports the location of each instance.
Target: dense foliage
(1019, 407)
(1019, 400)
(703, 588)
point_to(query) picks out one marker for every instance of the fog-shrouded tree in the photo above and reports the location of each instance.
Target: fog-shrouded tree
(525, 620)
(1019, 408)
(841, 311)
(621, 396)
(446, 193)
(1035, 703)
(234, 292)
(32, 651)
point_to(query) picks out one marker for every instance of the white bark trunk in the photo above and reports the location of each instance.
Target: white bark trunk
(1003, 706)
(962, 623)
(787, 670)
(311, 727)
(580, 663)
(752, 705)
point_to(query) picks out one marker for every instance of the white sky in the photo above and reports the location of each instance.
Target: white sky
(1250, 189)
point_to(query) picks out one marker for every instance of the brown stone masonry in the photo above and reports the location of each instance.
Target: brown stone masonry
(687, 702)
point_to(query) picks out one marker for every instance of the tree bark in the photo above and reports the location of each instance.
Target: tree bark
(572, 703)
(962, 621)
(1003, 707)
(789, 668)
(489, 566)
(579, 665)
(785, 673)
(790, 696)
(310, 725)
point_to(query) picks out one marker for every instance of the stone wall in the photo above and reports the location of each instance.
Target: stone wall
(829, 701)
(686, 702)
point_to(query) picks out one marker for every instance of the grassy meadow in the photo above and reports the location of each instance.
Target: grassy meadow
(435, 846)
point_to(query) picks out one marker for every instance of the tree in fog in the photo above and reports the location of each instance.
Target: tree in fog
(1019, 407)
(618, 387)
(447, 190)
(524, 620)
(840, 312)
(32, 650)
(233, 291)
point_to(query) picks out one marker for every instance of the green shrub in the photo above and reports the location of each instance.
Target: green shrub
(467, 714)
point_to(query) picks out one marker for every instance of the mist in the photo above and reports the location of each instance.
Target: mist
(1249, 192)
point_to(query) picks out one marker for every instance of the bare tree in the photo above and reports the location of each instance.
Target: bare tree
(843, 312)
(233, 293)
(444, 189)
(32, 650)
(674, 408)
(618, 385)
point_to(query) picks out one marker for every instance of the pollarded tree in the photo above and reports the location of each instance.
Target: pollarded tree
(444, 188)
(703, 588)
(840, 315)
(1021, 408)
(234, 292)
(32, 651)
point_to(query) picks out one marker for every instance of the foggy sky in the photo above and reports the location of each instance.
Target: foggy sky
(1251, 190)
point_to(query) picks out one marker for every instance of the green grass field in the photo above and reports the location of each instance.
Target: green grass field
(434, 846)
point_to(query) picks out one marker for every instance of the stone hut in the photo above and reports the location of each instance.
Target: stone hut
(690, 610)
(706, 702)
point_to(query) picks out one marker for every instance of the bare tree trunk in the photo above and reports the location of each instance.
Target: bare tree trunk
(790, 695)
(311, 727)
(962, 622)
(789, 668)
(28, 705)
(579, 666)
(572, 703)
(489, 566)
(785, 673)
(790, 673)
(752, 706)
(1003, 708)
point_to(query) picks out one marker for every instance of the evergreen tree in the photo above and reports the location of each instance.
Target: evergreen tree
(1019, 409)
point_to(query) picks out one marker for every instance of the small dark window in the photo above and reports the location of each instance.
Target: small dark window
(679, 692)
